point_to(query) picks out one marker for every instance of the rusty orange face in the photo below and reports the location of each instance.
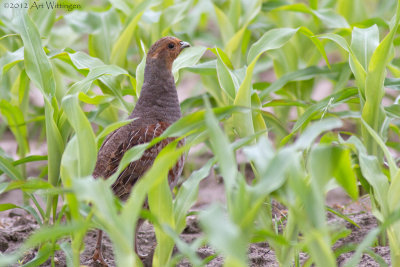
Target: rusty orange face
(167, 49)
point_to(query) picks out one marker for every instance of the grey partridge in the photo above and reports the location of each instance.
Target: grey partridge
(156, 109)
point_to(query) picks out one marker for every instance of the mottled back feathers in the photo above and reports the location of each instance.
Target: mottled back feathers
(157, 108)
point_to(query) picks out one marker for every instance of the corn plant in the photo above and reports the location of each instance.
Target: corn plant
(87, 67)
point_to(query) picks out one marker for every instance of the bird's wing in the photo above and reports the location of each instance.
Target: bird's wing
(109, 153)
(136, 169)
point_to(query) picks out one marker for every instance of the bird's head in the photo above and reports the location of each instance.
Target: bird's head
(166, 50)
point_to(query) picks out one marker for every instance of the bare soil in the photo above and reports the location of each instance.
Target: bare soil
(16, 226)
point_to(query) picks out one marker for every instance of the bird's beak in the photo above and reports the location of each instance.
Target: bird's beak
(184, 44)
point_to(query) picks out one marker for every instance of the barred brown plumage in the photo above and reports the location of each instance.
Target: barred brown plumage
(157, 108)
(136, 169)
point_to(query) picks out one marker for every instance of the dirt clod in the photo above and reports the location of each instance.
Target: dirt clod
(3, 243)
(192, 226)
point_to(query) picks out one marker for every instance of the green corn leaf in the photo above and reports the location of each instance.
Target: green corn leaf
(300, 7)
(206, 68)
(372, 112)
(353, 11)
(224, 235)
(314, 4)
(222, 151)
(161, 206)
(187, 194)
(173, 15)
(393, 110)
(274, 122)
(86, 154)
(120, 47)
(382, 54)
(44, 19)
(328, 17)
(110, 128)
(94, 100)
(300, 75)
(331, 19)
(393, 197)
(225, 79)
(94, 74)
(42, 255)
(337, 39)
(41, 236)
(153, 177)
(98, 193)
(258, 120)
(367, 242)
(55, 144)
(83, 22)
(8, 206)
(37, 65)
(392, 83)
(140, 71)
(27, 159)
(364, 43)
(320, 249)
(272, 39)
(339, 97)
(233, 14)
(312, 132)
(276, 38)
(372, 172)
(66, 248)
(234, 43)
(39, 70)
(391, 162)
(358, 70)
(272, 168)
(331, 161)
(8, 168)
(124, 6)
(243, 122)
(284, 103)
(28, 185)
(310, 213)
(195, 122)
(20, 92)
(343, 216)
(225, 26)
(99, 70)
(9, 59)
(305, 31)
(16, 122)
(188, 250)
(252, 9)
(100, 41)
(221, 55)
(188, 58)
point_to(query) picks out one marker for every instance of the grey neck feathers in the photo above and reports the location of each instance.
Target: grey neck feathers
(158, 100)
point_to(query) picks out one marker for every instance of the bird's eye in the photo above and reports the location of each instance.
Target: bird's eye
(171, 45)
